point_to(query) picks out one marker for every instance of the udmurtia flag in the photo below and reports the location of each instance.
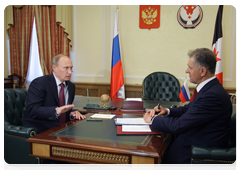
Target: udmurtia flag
(217, 44)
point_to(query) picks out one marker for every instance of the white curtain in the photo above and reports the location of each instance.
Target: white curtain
(34, 69)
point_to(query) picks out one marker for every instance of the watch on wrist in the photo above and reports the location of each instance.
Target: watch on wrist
(56, 110)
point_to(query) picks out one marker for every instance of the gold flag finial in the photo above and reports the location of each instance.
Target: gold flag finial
(117, 6)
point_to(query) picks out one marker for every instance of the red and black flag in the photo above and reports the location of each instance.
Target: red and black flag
(217, 44)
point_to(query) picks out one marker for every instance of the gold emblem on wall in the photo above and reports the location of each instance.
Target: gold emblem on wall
(149, 16)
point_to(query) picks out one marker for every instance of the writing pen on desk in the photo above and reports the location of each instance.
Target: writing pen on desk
(95, 120)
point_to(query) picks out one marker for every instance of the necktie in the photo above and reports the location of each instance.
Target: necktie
(62, 103)
(194, 94)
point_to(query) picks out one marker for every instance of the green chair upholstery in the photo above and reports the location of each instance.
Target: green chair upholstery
(16, 149)
(203, 155)
(161, 86)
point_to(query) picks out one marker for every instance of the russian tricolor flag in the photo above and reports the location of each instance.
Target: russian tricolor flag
(117, 80)
(184, 94)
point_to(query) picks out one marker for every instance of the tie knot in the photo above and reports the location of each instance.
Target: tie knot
(62, 85)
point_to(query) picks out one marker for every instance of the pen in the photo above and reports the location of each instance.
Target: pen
(159, 104)
(95, 120)
(87, 96)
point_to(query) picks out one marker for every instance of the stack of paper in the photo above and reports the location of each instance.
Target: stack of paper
(131, 121)
(133, 99)
(136, 128)
(133, 124)
(102, 116)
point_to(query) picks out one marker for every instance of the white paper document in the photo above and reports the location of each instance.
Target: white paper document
(136, 128)
(102, 116)
(131, 121)
(134, 99)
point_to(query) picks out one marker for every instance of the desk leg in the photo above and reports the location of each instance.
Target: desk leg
(40, 149)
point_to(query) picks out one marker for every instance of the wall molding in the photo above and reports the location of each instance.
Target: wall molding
(103, 47)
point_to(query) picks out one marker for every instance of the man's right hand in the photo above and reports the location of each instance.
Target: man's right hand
(64, 109)
(162, 111)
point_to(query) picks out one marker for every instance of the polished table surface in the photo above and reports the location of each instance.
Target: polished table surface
(81, 141)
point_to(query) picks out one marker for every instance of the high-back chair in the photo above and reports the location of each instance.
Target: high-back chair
(161, 86)
(227, 155)
(16, 149)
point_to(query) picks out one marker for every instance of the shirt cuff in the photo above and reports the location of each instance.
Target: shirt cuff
(57, 116)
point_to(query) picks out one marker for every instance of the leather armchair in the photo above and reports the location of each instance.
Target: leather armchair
(203, 155)
(16, 149)
(161, 86)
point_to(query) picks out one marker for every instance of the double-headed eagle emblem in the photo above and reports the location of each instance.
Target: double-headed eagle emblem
(148, 15)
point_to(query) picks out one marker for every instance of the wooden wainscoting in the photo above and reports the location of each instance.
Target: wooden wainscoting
(131, 91)
(97, 89)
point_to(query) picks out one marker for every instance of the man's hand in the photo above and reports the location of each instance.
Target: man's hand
(151, 113)
(162, 111)
(64, 109)
(148, 116)
(77, 115)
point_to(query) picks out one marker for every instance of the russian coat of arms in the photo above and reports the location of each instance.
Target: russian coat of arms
(149, 16)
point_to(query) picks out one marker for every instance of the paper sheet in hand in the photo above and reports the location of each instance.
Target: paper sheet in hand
(131, 121)
(102, 116)
(136, 128)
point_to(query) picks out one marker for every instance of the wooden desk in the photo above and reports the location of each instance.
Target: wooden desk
(77, 146)
(96, 151)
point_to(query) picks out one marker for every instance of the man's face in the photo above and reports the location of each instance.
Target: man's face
(64, 69)
(194, 71)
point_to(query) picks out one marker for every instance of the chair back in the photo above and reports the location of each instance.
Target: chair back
(161, 86)
(232, 132)
(14, 105)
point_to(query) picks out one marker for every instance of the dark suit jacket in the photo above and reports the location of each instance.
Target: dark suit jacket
(204, 122)
(42, 99)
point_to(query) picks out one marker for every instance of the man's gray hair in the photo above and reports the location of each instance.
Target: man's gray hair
(56, 59)
(205, 58)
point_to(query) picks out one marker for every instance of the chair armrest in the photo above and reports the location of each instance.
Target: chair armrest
(21, 131)
(213, 155)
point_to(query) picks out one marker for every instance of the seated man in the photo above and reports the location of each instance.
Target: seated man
(50, 97)
(205, 121)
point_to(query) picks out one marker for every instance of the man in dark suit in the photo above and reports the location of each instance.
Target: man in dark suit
(43, 109)
(205, 121)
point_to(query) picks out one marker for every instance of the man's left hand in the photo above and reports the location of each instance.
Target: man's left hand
(77, 115)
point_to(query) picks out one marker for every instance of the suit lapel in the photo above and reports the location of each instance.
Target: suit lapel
(70, 92)
(54, 87)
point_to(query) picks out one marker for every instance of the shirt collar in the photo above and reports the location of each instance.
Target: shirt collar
(201, 85)
(58, 82)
